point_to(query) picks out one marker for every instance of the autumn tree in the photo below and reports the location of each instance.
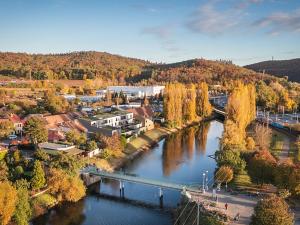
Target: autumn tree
(261, 166)
(68, 163)
(224, 174)
(6, 128)
(76, 138)
(41, 155)
(266, 96)
(272, 210)
(3, 171)
(54, 103)
(250, 143)
(241, 111)
(36, 130)
(8, 201)
(173, 104)
(189, 103)
(203, 105)
(262, 136)
(64, 186)
(38, 179)
(91, 145)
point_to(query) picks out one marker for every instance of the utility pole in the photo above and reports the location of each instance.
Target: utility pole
(198, 213)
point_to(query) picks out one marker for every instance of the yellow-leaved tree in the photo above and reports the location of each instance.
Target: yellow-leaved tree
(8, 201)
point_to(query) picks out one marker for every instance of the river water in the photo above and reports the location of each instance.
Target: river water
(182, 158)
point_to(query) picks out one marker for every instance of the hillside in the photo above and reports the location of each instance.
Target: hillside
(279, 68)
(82, 65)
(75, 65)
(198, 70)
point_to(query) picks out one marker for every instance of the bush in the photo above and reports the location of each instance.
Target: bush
(230, 158)
(273, 210)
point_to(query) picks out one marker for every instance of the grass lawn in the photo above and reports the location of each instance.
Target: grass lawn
(277, 144)
(145, 140)
(242, 182)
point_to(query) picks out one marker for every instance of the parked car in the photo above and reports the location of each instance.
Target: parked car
(12, 137)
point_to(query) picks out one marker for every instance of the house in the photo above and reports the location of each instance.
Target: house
(16, 120)
(54, 148)
(145, 115)
(59, 125)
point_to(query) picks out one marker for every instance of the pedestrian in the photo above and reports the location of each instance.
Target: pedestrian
(237, 217)
(226, 206)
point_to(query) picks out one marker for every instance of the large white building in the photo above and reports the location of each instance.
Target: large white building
(137, 91)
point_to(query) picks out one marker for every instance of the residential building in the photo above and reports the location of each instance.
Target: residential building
(91, 128)
(145, 115)
(16, 120)
(116, 118)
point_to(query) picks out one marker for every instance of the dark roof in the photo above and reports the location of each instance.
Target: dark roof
(145, 111)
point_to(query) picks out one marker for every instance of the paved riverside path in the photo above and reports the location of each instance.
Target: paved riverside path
(240, 203)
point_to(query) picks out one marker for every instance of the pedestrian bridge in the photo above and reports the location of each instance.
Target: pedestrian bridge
(222, 112)
(139, 180)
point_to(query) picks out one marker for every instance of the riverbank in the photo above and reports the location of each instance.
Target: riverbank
(144, 142)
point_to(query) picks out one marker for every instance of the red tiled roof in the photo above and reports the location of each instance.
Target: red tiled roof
(144, 111)
(14, 118)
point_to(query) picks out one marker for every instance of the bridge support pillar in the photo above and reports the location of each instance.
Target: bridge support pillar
(161, 198)
(122, 189)
(98, 186)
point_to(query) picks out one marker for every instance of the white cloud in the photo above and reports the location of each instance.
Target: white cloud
(210, 20)
(280, 22)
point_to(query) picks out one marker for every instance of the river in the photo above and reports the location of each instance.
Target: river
(182, 157)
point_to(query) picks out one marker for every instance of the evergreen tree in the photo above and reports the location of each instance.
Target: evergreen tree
(38, 179)
(23, 211)
(35, 129)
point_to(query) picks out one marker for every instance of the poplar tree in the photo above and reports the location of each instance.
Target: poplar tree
(203, 108)
(189, 106)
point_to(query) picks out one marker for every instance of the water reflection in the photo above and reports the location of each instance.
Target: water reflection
(174, 159)
(184, 143)
(201, 137)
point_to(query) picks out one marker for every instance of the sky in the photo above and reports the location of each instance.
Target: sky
(244, 31)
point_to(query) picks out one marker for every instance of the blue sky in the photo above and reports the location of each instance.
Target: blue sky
(244, 31)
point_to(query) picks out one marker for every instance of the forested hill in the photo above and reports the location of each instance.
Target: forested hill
(75, 65)
(197, 70)
(90, 65)
(280, 68)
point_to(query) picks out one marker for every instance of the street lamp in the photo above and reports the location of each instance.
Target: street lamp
(206, 180)
(203, 187)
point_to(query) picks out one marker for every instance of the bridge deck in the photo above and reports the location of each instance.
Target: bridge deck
(145, 181)
(219, 111)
